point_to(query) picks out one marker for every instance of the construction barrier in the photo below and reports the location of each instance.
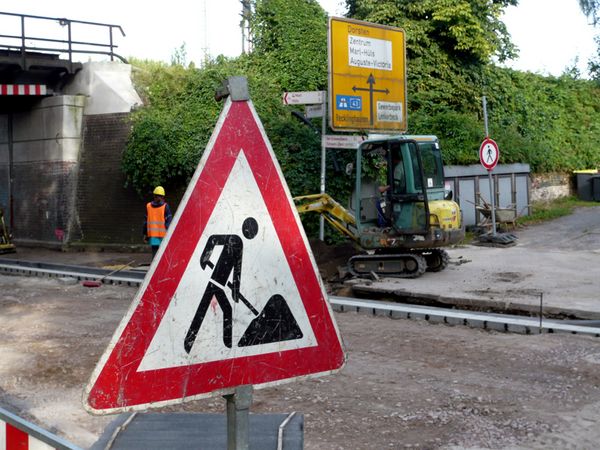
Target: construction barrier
(18, 434)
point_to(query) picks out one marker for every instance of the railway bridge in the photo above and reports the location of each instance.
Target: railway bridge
(63, 127)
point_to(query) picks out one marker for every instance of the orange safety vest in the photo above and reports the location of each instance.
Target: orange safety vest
(156, 220)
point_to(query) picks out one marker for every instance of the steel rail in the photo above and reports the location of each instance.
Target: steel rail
(483, 320)
(487, 321)
(81, 273)
(29, 43)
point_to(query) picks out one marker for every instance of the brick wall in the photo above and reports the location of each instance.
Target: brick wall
(108, 212)
(42, 203)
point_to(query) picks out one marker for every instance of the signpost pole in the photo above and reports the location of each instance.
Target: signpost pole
(313, 98)
(238, 418)
(323, 164)
(492, 193)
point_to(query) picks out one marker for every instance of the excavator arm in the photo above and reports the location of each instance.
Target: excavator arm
(334, 213)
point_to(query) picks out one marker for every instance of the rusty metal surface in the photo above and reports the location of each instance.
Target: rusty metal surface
(183, 431)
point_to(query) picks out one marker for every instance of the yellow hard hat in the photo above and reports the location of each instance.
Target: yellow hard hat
(159, 190)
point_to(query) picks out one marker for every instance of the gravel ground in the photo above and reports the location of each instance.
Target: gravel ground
(406, 384)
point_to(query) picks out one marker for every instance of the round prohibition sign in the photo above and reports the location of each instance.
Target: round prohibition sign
(489, 153)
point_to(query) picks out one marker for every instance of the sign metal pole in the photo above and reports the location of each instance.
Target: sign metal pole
(323, 164)
(314, 98)
(238, 418)
(492, 193)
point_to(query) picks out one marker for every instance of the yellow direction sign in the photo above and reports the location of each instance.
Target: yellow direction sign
(367, 76)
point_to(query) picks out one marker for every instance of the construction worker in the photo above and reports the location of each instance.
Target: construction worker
(157, 220)
(384, 213)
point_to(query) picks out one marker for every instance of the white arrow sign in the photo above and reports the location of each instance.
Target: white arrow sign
(303, 97)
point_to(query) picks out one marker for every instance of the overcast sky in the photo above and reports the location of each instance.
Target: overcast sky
(551, 34)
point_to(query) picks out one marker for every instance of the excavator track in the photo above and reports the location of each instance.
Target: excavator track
(401, 265)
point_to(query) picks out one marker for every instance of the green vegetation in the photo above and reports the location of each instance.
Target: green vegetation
(543, 211)
(549, 122)
(552, 123)
(171, 131)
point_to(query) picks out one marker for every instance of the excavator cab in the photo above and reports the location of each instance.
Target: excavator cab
(390, 179)
(406, 197)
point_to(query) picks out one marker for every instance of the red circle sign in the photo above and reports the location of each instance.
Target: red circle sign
(489, 153)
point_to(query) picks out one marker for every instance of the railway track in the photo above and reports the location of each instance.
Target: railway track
(488, 321)
(80, 273)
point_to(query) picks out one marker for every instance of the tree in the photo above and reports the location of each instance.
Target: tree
(551, 123)
(594, 63)
(179, 56)
(169, 134)
(449, 45)
(591, 9)
(470, 30)
(289, 39)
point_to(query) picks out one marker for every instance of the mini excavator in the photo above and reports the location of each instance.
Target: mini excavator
(400, 214)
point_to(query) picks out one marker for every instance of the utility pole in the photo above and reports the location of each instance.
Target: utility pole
(245, 23)
(205, 48)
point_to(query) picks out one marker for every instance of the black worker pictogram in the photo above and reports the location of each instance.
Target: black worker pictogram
(274, 324)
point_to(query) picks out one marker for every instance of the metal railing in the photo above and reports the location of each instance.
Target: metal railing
(39, 34)
(35, 432)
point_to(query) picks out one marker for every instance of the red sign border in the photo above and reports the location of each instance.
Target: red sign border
(116, 386)
(486, 141)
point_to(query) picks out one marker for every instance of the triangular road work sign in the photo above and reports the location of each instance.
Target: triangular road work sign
(233, 296)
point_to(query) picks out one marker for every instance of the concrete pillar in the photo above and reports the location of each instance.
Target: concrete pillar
(46, 143)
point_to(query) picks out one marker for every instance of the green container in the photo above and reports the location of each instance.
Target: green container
(595, 181)
(583, 181)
